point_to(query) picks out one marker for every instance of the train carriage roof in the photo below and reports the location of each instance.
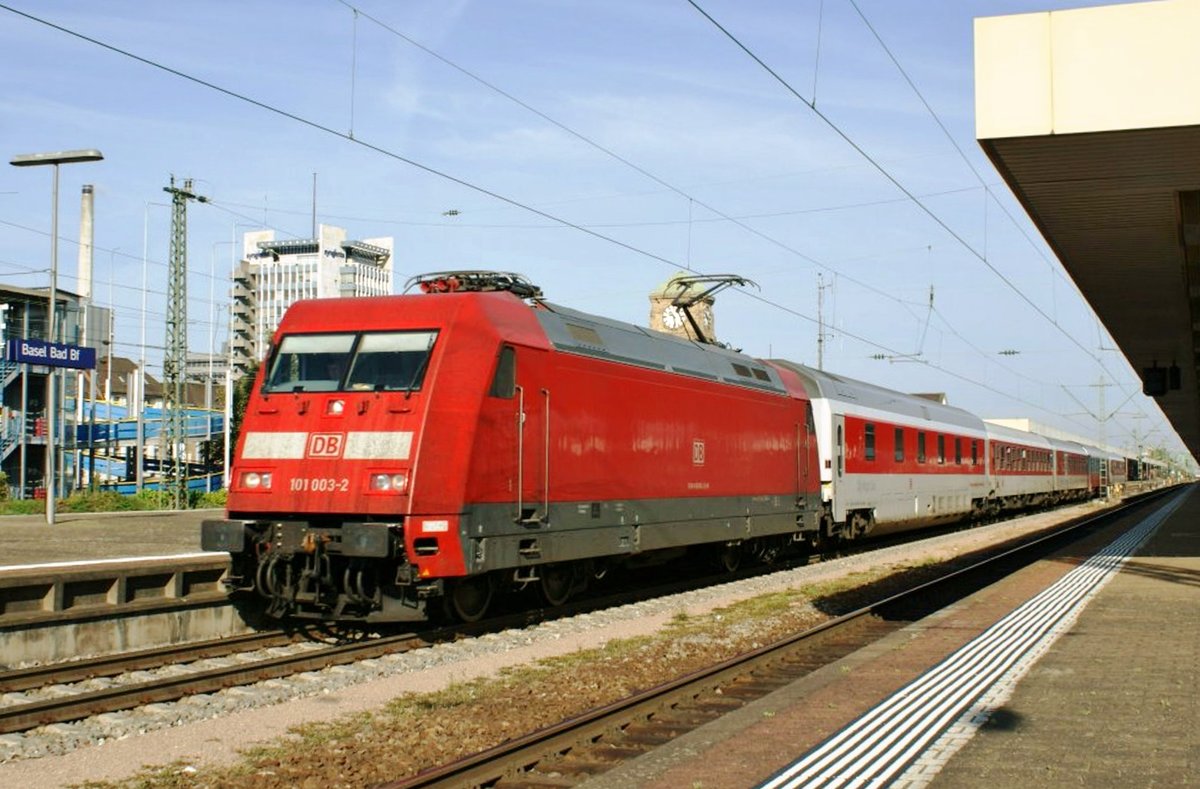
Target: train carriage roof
(1066, 445)
(821, 384)
(580, 333)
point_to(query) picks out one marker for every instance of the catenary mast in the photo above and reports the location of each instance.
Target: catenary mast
(175, 360)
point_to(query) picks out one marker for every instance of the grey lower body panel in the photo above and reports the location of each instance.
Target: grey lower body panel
(494, 539)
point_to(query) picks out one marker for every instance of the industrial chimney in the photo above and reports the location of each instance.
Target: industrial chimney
(85, 244)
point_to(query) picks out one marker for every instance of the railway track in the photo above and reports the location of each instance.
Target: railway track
(173, 685)
(23, 679)
(73, 703)
(595, 742)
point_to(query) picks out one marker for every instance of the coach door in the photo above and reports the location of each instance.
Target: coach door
(838, 491)
(839, 447)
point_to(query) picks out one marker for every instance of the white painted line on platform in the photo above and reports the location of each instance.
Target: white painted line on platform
(874, 749)
(96, 562)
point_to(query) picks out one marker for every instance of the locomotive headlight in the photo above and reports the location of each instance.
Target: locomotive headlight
(389, 482)
(255, 480)
(335, 407)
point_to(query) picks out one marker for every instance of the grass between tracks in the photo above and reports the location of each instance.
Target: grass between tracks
(418, 731)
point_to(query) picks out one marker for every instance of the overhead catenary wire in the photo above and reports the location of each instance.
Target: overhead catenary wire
(908, 196)
(312, 124)
(615, 225)
(369, 146)
(1055, 271)
(894, 181)
(605, 150)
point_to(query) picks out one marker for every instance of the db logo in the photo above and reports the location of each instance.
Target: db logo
(697, 453)
(325, 445)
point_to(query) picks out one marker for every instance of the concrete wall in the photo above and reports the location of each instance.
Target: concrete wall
(53, 642)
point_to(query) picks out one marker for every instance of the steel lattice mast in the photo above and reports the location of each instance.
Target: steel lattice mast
(175, 359)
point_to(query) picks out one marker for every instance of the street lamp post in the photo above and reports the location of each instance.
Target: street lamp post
(55, 159)
(212, 352)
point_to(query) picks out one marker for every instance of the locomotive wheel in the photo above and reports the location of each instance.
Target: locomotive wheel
(470, 597)
(557, 580)
(729, 558)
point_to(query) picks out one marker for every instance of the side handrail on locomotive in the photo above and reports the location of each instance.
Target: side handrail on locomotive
(474, 281)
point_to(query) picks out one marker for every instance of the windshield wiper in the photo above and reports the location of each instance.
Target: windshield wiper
(408, 390)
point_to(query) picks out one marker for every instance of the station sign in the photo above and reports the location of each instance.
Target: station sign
(52, 354)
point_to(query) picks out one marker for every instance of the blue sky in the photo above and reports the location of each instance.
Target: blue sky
(650, 81)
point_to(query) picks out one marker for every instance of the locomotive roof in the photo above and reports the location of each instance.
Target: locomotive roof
(823, 384)
(580, 333)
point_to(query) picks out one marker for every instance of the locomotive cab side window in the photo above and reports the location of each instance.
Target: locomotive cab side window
(504, 382)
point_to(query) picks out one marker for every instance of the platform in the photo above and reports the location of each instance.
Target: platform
(1079, 670)
(27, 539)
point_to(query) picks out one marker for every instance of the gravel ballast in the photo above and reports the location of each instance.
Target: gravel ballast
(202, 734)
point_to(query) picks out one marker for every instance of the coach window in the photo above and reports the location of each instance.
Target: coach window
(920, 446)
(899, 445)
(505, 380)
(974, 453)
(958, 451)
(869, 441)
(941, 448)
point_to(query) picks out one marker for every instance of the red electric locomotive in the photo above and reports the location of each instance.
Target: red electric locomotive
(406, 456)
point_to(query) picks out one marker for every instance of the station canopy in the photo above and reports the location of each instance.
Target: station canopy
(1092, 117)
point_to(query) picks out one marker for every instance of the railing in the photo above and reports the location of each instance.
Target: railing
(10, 435)
(8, 371)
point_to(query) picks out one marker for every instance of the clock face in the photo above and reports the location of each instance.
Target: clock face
(672, 317)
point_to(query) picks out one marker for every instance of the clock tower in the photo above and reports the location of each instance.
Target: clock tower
(665, 316)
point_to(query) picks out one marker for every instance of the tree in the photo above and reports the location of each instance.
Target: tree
(241, 398)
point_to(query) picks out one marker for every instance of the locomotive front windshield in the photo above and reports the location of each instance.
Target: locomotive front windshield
(375, 361)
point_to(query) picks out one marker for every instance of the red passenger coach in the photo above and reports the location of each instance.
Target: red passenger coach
(892, 461)
(404, 456)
